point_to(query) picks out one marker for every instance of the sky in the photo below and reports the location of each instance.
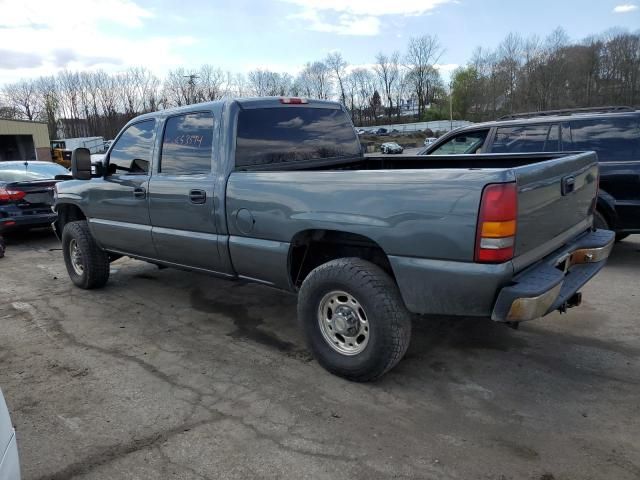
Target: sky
(41, 37)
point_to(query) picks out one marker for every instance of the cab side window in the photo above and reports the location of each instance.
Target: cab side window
(132, 151)
(527, 139)
(187, 144)
(463, 143)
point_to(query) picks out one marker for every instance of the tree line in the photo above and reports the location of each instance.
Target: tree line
(520, 74)
(533, 74)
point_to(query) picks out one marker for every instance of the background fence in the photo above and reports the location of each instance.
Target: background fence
(442, 125)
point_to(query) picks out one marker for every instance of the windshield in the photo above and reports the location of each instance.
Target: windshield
(463, 143)
(13, 172)
(269, 136)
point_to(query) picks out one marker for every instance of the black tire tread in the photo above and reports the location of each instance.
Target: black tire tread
(97, 260)
(385, 293)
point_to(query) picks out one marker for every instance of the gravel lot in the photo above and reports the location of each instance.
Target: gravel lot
(166, 374)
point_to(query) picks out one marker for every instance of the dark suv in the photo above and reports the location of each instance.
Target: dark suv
(612, 132)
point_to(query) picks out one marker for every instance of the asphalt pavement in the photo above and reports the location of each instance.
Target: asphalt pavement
(166, 374)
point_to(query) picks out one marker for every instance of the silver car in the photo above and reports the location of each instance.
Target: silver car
(391, 147)
(9, 463)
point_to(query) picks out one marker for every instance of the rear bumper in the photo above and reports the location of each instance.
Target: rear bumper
(551, 283)
(26, 221)
(444, 287)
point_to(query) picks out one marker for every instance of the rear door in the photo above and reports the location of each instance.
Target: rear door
(181, 193)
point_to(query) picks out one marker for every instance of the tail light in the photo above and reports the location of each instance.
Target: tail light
(11, 195)
(497, 222)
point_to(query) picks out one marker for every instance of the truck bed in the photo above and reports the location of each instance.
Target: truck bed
(423, 207)
(412, 162)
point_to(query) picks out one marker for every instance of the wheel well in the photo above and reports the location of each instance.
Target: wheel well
(312, 248)
(67, 213)
(605, 205)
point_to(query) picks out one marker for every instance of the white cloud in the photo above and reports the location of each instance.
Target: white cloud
(71, 34)
(371, 7)
(446, 67)
(357, 17)
(71, 13)
(626, 8)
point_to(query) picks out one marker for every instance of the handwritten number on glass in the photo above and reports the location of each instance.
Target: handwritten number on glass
(189, 140)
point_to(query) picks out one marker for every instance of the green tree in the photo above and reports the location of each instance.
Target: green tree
(465, 82)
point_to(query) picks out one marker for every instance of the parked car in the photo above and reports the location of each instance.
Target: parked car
(429, 140)
(391, 147)
(279, 193)
(612, 132)
(26, 194)
(381, 132)
(361, 131)
(9, 461)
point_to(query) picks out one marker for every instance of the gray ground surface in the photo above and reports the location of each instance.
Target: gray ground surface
(166, 374)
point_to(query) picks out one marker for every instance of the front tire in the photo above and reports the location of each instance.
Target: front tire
(354, 320)
(87, 264)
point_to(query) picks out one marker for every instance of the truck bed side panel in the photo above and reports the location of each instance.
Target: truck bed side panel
(413, 213)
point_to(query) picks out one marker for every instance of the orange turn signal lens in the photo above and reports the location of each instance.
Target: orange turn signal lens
(498, 229)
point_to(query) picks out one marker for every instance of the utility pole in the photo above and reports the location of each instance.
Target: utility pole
(450, 105)
(192, 86)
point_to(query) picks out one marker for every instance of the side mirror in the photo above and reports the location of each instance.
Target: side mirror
(81, 164)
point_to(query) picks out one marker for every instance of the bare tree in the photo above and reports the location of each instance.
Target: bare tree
(422, 53)
(210, 83)
(177, 88)
(23, 96)
(315, 79)
(338, 66)
(386, 68)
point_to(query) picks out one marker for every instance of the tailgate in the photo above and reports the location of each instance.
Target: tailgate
(555, 199)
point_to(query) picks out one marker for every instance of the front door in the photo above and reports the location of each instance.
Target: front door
(119, 210)
(181, 194)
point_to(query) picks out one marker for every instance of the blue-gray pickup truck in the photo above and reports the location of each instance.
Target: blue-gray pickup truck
(278, 191)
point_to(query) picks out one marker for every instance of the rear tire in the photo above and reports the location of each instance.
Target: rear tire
(354, 320)
(87, 264)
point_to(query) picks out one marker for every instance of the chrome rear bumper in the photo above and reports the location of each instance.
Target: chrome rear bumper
(551, 283)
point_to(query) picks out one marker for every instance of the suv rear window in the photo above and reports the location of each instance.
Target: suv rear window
(268, 136)
(613, 139)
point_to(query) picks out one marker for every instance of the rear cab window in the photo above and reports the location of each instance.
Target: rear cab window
(462, 143)
(285, 136)
(614, 139)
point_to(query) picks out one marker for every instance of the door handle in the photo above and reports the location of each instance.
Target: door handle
(197, 196)
(139, 192)
(568, 185)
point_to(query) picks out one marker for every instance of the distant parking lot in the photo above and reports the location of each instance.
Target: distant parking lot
(167, 374)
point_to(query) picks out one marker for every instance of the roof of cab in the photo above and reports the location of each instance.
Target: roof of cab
(248, 102)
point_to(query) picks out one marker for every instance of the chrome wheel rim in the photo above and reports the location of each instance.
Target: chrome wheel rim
(76, 257)
(343, 323)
